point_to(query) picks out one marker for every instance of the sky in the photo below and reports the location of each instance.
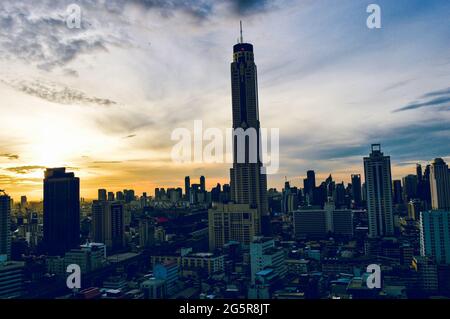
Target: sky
(104, 99)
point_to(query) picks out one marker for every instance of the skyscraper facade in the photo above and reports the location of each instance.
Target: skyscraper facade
(5, 220)
(377, 171)
(187, 188)
(356, 190)
(435, 236)
(440, 184)
(248, 183)
(61, 211)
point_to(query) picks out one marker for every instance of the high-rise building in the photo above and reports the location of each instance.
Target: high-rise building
(11, 279)
(248, 183)
(232, 222)
(440, 184)
(187, 188)
(108, 224)
(110, 196)
(435, 235)
(146, 233)
(410, 185)
(5, 220)
(377, 171)
(398, 192)
(102, 194)
(61, 211)
(264, 254)
(202, 183)
(356, 190)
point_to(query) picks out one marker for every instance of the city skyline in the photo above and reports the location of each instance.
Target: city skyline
(80, 96)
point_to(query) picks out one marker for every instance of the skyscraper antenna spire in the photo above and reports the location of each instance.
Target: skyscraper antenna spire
(242, 39)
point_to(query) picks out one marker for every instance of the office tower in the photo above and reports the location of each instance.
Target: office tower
(414, 209)
(61, 211)
(129, 195)
(215, 194)
(425, 192)
(167, 271)
(426, 269)
(11, 279)
(248, 183)
(108, 224)
(264, 255)
(23, 202)
(146, 233)
(410, 184)
(339, 195)
(309, 187)
(398, 192)
(435, 235)
(232, 222)
(110, 196)
(102, 194)
(202, 183)
(187, 188)
(5, 220)
(377, 171)
(440, 184)
(120, 196)
(356, 190)
(311, 223)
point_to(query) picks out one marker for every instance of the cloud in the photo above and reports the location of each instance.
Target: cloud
(56, 93)
(25, 169)
(10, 156)
(440, 98)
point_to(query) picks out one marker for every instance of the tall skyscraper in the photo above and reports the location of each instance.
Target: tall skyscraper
(398, 192)
(410, 185)
(61, 211)
(356, 190)
(202, 183)
(248, 183)
(5, 220)
(101, 194)
(187, 188)
(440, 184)
(108, 224)
(377, 171)
(435, 235)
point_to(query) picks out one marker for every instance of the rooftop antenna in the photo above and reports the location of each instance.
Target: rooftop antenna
(242, 40)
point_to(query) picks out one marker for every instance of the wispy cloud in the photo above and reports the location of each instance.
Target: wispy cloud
(25, 169)
(439, 99)
(56, 93)
(10, 156)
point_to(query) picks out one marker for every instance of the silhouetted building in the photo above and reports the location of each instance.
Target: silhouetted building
(440, 184)
(61, 211)
(377, 171)
(435, 235)
(248, 184)
(356, 190)
(187, 188)
(5, 221)
(398, 197)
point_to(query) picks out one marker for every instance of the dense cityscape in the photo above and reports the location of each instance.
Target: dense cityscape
(311, 240)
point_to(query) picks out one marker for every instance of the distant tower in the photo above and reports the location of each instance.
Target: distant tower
(248, 184)
(5, 220)
(187, 187)
(377, 171)
(356, 189)
(202, 183)
(101, 194)
(61, 211)
(440, 185)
